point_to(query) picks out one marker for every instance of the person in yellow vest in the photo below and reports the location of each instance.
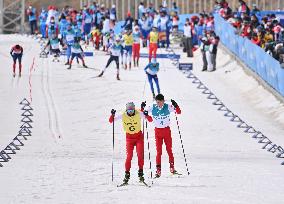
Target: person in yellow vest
(131, 120)
(96, 37)
(128, 42)
(153, 38)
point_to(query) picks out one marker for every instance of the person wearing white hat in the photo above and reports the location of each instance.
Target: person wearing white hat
(115, 51)
(136, 45)
(112, 15)
(31, 12)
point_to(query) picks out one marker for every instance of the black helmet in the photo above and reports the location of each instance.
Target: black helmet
(160, 97)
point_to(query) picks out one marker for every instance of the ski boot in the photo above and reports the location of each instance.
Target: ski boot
(137, 63)
(141, 176)
(158, 171)
(125, 180)
(129, 66)
(127, 177)
(134, 63)
(14, 74)
(69, 66)
(125, 66)
(172, 168)
(173, 171)
(20, 74)
(117, 77)
(85, 66)
(101, 74)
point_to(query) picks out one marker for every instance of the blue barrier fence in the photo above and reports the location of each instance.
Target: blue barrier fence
(255, 57)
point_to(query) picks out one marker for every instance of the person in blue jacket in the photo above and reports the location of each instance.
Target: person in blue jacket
(42, 22)
(31, 12)
(175, 8)
(77, 29)
(87, 22)
(62, 25)
(69, 37)
(79, 20)
(164, 26)
(78, 52)
(97, 16)
(151, 70)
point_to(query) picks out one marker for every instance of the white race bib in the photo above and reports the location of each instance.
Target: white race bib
(88, 20)
(55, 46)
(69, 38)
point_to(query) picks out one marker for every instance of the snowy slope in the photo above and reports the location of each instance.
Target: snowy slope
(226, 165)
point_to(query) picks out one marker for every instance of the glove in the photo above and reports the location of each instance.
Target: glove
(146, 113)
(174, 103)
(113, 112)
(143, 105)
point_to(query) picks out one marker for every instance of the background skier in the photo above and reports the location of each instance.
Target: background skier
(151, 70)
(115, 51)
(17, 53)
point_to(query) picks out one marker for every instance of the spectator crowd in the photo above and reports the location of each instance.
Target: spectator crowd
(264, 31)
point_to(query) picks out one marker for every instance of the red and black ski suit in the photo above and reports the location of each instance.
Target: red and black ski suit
(17, 53)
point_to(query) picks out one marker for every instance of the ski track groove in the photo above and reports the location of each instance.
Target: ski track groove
(53, 103)
(49, 103)
(45, 98)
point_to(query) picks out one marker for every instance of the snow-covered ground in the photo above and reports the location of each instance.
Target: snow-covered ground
(226, 165)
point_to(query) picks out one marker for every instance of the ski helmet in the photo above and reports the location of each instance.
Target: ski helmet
(130, 106)
(117, 39)
(153, 61)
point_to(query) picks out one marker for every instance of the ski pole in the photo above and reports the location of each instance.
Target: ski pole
(147, 134)
(112, 150)
(182, 145)
(144, 88)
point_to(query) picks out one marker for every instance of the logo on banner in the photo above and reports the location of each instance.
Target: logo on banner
(262, 64)
(271, 73)
(252, 55)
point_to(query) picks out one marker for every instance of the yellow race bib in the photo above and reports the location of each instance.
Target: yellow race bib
(132, 124)
(128, 40)
(154, 36)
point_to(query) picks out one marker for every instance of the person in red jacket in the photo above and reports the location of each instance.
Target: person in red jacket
(161, 114)
(131, 120)
(17, 54)
(246, 29)
(255, 39)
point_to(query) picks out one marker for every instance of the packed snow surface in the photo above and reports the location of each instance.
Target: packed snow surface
(69, 155)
